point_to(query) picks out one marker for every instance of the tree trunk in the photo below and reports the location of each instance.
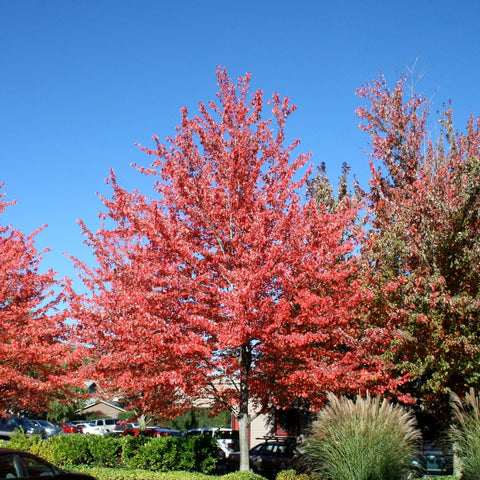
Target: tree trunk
(243, 416)
(243, 423)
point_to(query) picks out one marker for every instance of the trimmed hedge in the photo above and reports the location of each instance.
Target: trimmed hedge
(163, 454)
(102, 473)
(119, 474)
(292, 474)
(242, 476)
(194, 454)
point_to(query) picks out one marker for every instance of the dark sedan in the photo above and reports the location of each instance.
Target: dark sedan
(269, 457)
(17, 464)
(8, 427)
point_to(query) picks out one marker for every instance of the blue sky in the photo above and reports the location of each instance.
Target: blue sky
(82, 81)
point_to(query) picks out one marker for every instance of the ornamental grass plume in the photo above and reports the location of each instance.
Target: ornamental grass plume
(466, 433)
(366, 439)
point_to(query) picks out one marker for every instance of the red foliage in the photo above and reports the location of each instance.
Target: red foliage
(424, 242)
(34, 352)
(225, 285)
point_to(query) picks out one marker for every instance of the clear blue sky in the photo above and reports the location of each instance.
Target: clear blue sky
(81, 81)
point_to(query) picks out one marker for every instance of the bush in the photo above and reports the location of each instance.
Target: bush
(131, 448)
(69, 450)
(368, 439)
(105, 451)
(161, 454)
(102, 473)
(294, 475)
(170, 453)
(72, 450)
(205, 453)
(466, 434)
(20, 441)
(242, 476)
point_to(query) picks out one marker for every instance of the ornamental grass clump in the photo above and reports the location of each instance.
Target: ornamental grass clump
(366, 439)
(466, 434)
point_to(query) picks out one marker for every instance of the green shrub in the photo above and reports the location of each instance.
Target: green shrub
(242, 476)
(466, 434)
(131, 448)
(161, 454)
(20, 441)
(286, 475)
(204, 450)
(102, 473)
(170, 453)
(69, 450)
(366, 439)
(292, 474)
(105, 450)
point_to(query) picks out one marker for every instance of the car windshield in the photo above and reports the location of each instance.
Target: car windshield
(25, 422)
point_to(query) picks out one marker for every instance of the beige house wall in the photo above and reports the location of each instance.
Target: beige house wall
(259, 428)
(103, 409)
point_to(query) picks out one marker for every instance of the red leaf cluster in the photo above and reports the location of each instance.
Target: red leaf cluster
(225, 285)
(35, 354)
(423, 245)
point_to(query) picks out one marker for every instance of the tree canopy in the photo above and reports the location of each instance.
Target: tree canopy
(35, 353)
(242, 281)
(225, 284)
(424, 244)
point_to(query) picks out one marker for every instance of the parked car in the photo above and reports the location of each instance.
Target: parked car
(269, 457)
(8, 426)
(151, 432)
(50, 429)
(434, 463)
(18, 464)
(88, 427)
(227, 439)
(100, 426)
(106, 425)
(68, 427)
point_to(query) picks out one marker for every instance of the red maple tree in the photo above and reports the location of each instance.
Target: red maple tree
(35, 356)
(225, 285)
(424, 246)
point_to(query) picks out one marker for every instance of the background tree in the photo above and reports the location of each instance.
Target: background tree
(225, 285)
(320, 188)
(35, 356)
(424, 244)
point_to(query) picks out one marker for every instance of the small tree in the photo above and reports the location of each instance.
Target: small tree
(35, 354)
(225, 286)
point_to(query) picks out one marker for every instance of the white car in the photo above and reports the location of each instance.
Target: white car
(89, 427)
(107, 425)
(101, 426)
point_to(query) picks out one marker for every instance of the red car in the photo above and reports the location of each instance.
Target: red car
(69, 427)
